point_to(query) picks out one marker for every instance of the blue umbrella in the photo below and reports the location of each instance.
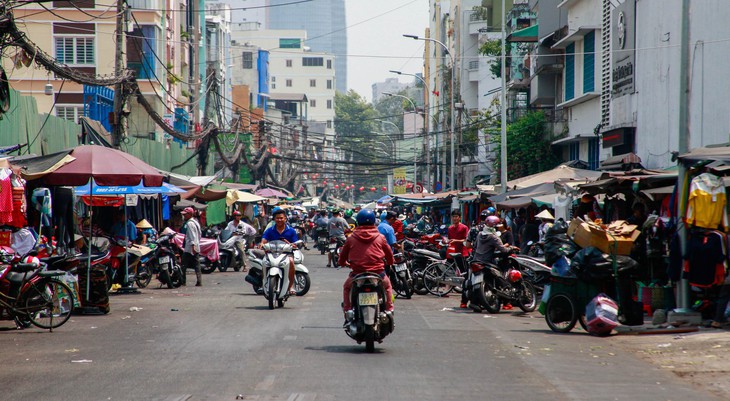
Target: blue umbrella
(140, 189)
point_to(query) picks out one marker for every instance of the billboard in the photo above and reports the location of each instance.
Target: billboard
(399, 181)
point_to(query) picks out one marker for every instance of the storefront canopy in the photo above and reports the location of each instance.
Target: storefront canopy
(721, 153)
(562, 172)
(534, 190)
(96, 190)
(272, 193)
(235, 196)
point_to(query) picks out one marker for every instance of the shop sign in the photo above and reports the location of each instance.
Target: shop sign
(623, 44)
(400, 184)
(613, 138)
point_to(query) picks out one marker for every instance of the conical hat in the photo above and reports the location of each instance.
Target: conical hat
(144, 224)
(545, 214)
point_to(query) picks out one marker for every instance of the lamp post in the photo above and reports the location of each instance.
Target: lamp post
(415, 152)
(453, 120)
(427, 124)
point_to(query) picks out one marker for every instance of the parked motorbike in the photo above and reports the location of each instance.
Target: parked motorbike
(117, 272)
(167, 263)
(323, 239)
(368, 321)
(230, 254)
(256, 257)
(400, 276)
(276, 272)
(499, 284)
(418, 259)
(534, 270)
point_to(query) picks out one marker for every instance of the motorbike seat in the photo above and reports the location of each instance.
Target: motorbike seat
(258, 253)
(426, 252)
(52, 259)
(537, 259)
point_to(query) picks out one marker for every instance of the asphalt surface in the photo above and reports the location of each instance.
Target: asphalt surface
(221, 342)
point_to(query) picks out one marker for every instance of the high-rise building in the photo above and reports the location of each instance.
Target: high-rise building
(324, 21)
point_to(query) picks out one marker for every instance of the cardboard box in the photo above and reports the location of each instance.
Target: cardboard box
(589, 234)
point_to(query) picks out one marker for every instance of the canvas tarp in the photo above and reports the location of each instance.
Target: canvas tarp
(561, 172)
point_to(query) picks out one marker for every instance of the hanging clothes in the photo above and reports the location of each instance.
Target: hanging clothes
(706, 206)
(562, 205)
(706, 258)
(6, 197)
(42, 202)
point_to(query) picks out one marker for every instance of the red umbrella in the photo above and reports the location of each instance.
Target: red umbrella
(107, 166)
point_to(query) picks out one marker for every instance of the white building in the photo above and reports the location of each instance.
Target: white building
(391, 85)
(300, 81)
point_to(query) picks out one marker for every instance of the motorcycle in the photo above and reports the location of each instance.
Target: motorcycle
(299, 227)
(167, 263)
(400, 276)
(334, 249)
(368, 321)
(495, 285)
(418, 260)
(534, 270)
(256, 257)
(116, 269)
(276, 272)
(322, 239)
(230, 254)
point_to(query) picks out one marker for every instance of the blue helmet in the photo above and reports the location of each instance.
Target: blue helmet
(277, 210)
(383, 215)
(365, 217)
(491, 210)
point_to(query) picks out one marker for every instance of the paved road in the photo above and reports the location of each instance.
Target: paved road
(220, 341)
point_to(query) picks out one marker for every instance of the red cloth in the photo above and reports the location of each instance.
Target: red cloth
(460, 232)
(398, 228)
(6, 201)
(19, 220)
(365, 249)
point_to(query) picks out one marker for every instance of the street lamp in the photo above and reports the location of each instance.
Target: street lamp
(415, 152)
(427, 123)
(453, 119)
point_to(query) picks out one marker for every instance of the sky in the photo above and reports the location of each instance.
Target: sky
(377, 33)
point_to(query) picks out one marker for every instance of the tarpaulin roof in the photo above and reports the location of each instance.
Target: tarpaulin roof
(535, 190)
(721, 153)
(236, 196)
(271, 193)
(243, 187)
(183, 203)
(34, 167)
(561, 172)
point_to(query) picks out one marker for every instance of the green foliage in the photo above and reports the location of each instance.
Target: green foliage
(528, 149)
(493, 48)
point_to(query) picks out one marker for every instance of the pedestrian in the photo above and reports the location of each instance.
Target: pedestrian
(191, 246)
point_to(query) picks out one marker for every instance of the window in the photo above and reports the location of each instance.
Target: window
(273, 86)
(570, 71)
(312, 61)
(273, 78)
(285, 43)
(313, 103)
(329, 123)
(594, 153)
(288, 83)
(329, 103)
(288, 63)
(71, 113)
(589, 61)
(312, 83)
(329, 64)
(574, 151)
(329, 84)
(247, 60)
(72, 51)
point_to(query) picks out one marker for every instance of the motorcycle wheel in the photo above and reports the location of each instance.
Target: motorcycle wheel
(486, 297)
(164, 277)
(207, 267)
(402, 288)
(176, 279)
(560, 313)
(144, 276)
(302, 282)
(273, 285)
(431, 277)
(222, 267)
(527, 300)
(418, 286)
(369, 339)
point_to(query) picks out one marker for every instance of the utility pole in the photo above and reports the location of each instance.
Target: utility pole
(503, 101)
(195, 13)
(119, 65)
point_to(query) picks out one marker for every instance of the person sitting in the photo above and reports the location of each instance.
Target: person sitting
(123, 228)
(364, 251)
(546, 221)
(281, 231)
(146, 232)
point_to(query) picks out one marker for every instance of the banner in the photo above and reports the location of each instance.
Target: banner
(399, 181)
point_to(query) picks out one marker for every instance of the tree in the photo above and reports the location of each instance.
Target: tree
(493, 48)
(528, 149)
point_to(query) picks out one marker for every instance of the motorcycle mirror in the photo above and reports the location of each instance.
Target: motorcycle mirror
(529, 243)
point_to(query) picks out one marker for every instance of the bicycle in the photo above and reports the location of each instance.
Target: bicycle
(30, 295)
(443, 276)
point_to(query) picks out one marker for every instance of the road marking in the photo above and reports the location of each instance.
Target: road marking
(266, 383)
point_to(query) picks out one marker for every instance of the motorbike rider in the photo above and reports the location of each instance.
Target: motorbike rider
(485, 242)
(337, 228)
(385, 227)
(320, 222)
(237, 225)
(281, 231)
(364, 251)
(349, 219)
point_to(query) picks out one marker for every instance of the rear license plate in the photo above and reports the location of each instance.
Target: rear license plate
(477, 279)
(400, 267)
(164, 259)
(367, 298)
(333, 246)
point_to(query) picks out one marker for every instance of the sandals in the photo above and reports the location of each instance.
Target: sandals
(292, 292)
